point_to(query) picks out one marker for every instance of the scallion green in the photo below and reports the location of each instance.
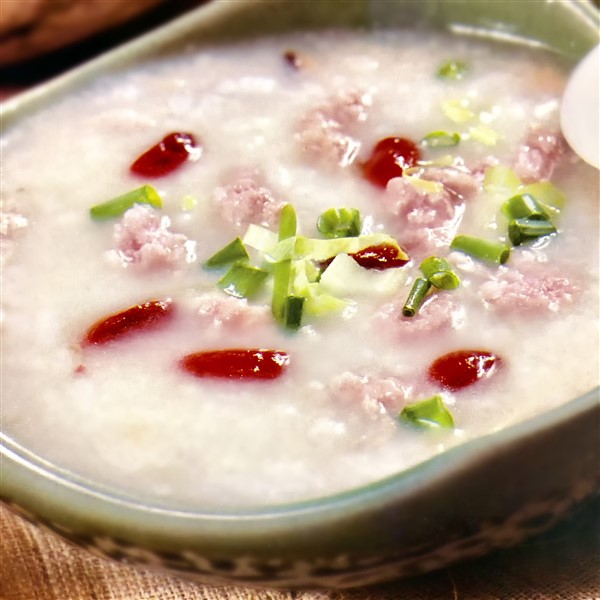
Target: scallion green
(431, 413)
(119, 205)
(234, 252)
(416, 297)
(524, 206)
(438, 271)
(521, 231)
(440, 139)
(481, 249)
(243, 281)
(453, 70)
(339, 223)
(287, 222)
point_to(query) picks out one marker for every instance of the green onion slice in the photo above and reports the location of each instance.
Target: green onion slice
(119, 205)
(481, 249)
(546, 193)
(431, 413)
(524, 206)
(339, 223)
(416, 297)
(501, 180)
(439, 273)
(292, 314)
(527, 230)
(285, 306)
(287, 222)
(453, 70)
(243, 281)
(235, 251)
(441, 139)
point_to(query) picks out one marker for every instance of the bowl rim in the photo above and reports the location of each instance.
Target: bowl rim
(27, 478)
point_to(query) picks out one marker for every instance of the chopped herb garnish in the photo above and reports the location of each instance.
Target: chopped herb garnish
(528, 230)
(500, 180)
(440, 139)
(458, 111)
(524, 206)
(481, 249)
(119, 205)
(234, 252)
(546, 193)
(287, 222)
(438, 271)
(453, 70)
(416, 297)
(339, 223)
(243, 281)
(484, 134)
(292, 314)
(431, 413)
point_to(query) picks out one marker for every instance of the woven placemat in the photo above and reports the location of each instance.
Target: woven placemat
(562, 564)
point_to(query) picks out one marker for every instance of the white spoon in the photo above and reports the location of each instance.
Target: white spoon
(580, 109)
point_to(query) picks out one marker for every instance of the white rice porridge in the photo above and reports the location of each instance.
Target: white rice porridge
(291, 120)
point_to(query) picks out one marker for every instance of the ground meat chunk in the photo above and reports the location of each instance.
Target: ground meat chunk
(459, 182)
(143, 238)
(425, 220)
(375, 394)
(325, 132)
(247, 200)
(220, 310)
(438, 313)
(514, 291)
(539, 155)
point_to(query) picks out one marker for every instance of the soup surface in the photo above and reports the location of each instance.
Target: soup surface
(357, 390)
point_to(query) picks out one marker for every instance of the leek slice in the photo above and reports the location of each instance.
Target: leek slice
(121, 204)
(243, 281)
(431, 413)
(344, 277)
(235, 251)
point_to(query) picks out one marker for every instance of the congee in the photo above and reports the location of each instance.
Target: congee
(285, 268)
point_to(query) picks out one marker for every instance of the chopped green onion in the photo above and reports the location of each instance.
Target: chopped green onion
(439, 273)
(339, 223)
(287, 222)
(416, 297)
(119, 205)
(282, 273)
(235, 251)
(188, 203)
(286, 307)
(481, 249)
(524, 206)
(428, 414)
(319, 303)
(260, 238)
(526, 230)
(453, 70)
(441, 139)
(546, 193)
(292, 313)
(458, 111)
(484, 134)
(243, 281)
(500, 180)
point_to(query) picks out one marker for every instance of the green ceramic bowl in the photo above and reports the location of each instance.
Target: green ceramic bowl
(485, 494)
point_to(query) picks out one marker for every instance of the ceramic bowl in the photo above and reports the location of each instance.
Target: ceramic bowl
(487, 493)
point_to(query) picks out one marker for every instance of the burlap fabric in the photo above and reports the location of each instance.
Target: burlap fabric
(562, 564)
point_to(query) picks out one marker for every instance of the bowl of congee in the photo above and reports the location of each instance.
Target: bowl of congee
(304, 294)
